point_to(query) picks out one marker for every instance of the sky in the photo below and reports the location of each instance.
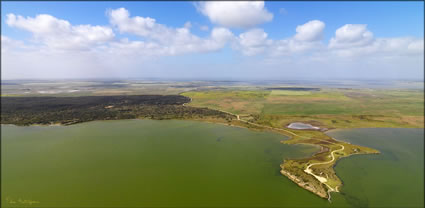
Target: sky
(212, 40)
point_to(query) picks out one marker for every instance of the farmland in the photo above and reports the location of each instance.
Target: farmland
(329, 108)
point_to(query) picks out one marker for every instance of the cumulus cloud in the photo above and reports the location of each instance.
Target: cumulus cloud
(142, 26)
(60, 34)
(308, 36)
(351, 41)
(173, 40)
(237, 14)
(253, 38)
(351, 35)
(253, 41)
(58, 46)
(156, 39)
(355, 40)
(310, 31)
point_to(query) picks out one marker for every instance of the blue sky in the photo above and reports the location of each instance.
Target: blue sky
(383, 18)
(379, 40)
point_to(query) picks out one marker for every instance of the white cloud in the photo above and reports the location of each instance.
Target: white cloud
(397, 46)
(51, 34)
(291, 46)
(142, 26)
(185, 42)
(172, 40)
(416, 46)
(308, 37)
(350, 41)
(218, 39)
(238, 14)
(253, 41)
(351, 35)
(221, 35)
(253, 38)
(354, 40)
(60, 34)
(8, 44)
(60, 49)
(310, 31)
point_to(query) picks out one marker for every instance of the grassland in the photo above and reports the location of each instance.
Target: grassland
(327, 109)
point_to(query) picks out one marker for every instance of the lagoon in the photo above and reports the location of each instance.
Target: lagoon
(148, 163)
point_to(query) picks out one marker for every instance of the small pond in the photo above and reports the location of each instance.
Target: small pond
(298, 125)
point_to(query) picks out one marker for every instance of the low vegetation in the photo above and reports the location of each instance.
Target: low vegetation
(327, 108)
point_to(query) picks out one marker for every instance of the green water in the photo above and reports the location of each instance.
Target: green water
(148, 163)
(145, 163)
(394, 178)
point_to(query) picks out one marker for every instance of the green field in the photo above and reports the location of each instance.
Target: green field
(330, 108)
(239, 102)
(288, 92)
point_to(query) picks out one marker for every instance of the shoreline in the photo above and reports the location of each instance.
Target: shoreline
(301, 184)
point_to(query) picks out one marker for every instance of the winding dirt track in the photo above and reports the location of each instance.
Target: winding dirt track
(322, 179)
(323, 163)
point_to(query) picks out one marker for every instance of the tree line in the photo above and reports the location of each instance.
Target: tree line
(71, 110)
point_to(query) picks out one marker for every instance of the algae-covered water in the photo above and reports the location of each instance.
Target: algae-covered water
(146, 163)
